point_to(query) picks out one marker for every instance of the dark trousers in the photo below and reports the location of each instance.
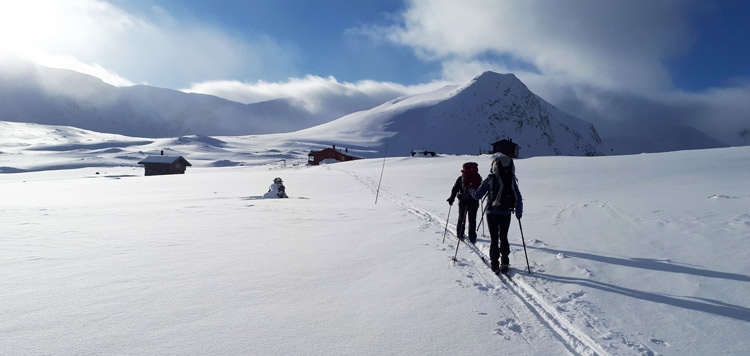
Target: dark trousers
(498, 224)
(467, 207)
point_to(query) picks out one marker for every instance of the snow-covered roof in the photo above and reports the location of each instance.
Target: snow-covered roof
(164, 160)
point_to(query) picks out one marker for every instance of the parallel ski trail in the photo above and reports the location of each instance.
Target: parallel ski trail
(574, 339)
(573, 336)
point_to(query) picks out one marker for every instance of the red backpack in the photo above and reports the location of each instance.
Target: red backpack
(470, 177)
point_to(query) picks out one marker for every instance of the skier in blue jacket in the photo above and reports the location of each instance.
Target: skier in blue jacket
(503, 199)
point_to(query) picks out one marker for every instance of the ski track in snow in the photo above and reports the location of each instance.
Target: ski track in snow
(552, 315)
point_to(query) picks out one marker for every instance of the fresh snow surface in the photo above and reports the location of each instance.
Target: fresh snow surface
(630, 255)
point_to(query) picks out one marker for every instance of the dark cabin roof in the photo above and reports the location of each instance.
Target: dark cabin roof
(165, 160)
(506, 147)
(333, 150)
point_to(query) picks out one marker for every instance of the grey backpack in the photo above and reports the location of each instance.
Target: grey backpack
(503, 184)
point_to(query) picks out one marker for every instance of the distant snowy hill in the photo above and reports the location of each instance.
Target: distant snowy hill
(660, 139)
(456, 119)
(37, 94)
(465, 119)
(26, 147)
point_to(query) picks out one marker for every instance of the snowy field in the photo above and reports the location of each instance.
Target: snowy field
(631, 255)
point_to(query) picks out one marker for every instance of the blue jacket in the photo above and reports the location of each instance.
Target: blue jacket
(484, 189)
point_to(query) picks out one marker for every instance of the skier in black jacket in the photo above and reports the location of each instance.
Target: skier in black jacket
(467, 205)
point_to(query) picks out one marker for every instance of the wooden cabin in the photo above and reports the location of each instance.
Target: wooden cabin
(160, 165)
(506, 147)
(422, 153)
(314, 158)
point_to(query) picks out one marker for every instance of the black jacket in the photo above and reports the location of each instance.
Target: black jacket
(458, 192)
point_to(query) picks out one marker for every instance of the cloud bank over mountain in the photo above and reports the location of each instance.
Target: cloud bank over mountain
(326, 98)
(32, 93)
(149, 45)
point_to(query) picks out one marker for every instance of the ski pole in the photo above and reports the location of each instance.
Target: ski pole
(446, 221)
(524, 246)
(484, 233)
(381, 174)
(456, 254)
(458, 237)
(481, 221)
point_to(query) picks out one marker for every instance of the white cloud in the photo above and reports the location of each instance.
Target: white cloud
(612, 44)
(72, 63)
(311, 88)
(91, 35)
(325, 98)
(721, 112)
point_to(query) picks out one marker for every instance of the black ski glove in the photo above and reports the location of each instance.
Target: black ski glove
(450, 201)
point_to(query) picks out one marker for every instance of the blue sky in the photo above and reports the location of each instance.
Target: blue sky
(325, 37)
(674, 59)
(319, 37)
(718, 53)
